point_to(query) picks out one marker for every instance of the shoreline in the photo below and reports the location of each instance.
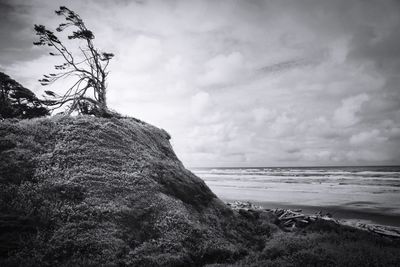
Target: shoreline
(338, 212)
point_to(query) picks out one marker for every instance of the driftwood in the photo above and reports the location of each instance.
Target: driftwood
(287, 219)
(375, 228)
(290, 220)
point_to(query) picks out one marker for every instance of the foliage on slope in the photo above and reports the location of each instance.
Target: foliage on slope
(90, 191)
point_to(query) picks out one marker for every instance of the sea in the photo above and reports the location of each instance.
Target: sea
(368, 194)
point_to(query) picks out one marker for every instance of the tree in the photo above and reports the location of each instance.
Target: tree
(17, 101)
(88, 93)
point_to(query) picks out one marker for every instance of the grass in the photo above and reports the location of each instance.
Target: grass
(325, 244)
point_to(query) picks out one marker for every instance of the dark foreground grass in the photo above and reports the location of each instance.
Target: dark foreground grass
(325, 244)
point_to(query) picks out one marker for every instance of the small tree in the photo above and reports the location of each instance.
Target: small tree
(88, 93)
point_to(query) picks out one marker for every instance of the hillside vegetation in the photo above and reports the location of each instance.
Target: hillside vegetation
(92, 191)
(87, 191)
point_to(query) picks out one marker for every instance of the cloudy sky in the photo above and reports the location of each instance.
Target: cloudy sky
(239, 83)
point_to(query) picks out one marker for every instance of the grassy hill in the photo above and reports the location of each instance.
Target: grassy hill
(91, 191)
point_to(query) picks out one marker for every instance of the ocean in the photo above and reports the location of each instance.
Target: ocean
(368, 194)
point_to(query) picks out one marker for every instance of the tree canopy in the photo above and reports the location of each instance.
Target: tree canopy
(87, 95)
(16, 101)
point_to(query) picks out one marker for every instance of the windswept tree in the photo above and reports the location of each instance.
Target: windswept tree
(86, 64)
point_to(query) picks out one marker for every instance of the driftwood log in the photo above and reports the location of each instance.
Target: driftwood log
(290, 220)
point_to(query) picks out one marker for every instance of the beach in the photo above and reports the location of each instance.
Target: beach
(364, 194)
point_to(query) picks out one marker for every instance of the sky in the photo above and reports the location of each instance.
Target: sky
(238, 83)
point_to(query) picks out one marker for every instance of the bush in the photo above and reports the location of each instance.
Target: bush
(17, 101)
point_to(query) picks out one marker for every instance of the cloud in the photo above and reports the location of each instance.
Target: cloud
(367, 138)
(262, 115)
(256, 83)
(13, 45)
(142, 54)
(346, 114)
(199, 103)
(283, 125)
(223, 69)
(365, 155)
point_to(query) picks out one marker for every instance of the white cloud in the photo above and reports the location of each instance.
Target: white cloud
(368, 138)
(141, 55)
(346, 114)
(262, 115)
(199, 103)
(283, 125)
(223, 69)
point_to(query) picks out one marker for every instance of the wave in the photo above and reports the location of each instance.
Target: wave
(286, 172)
(340, 176)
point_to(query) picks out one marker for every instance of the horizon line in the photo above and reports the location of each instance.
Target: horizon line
(315, 166)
